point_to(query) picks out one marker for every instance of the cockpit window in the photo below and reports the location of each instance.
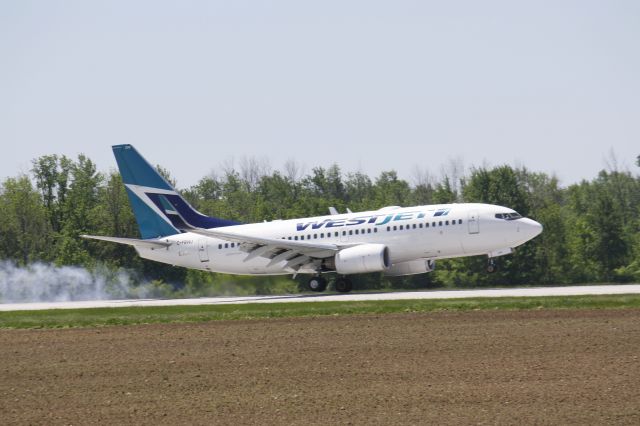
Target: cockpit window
(508, 216)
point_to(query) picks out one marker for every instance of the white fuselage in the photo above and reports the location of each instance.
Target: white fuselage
(411, 233)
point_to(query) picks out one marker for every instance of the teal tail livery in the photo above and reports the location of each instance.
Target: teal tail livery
(393, 240)
(159, 210)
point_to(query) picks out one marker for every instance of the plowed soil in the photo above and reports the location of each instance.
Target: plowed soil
(502, 367)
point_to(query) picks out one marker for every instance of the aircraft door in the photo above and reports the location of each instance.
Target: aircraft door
(473, 222)
(203, 251)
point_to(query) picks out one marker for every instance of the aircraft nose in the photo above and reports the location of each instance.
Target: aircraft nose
(529, 227)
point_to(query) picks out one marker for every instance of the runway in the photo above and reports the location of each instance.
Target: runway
(294, 298)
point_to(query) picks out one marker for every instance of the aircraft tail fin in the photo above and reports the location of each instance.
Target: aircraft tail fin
(159, 210)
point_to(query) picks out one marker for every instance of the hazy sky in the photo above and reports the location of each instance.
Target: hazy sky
(553, 85)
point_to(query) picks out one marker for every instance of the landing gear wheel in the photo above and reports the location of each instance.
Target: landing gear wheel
(343, 285)
(491, 266)
(317, 284)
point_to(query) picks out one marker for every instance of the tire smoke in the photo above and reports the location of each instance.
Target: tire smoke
(42, 282)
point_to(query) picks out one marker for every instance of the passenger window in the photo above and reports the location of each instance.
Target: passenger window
(414, 226)
(420, 225)
(395, 228)
(388, 228)
(350, 232)
(369, 231)
(344, 233)
(315, 236)
(226, 245)
(459, 221)
(337, 233)
(440, 223)
(219, 246)
(375, 229)
(309, 237)
(356, 232)
(295, 238)
(446, 222)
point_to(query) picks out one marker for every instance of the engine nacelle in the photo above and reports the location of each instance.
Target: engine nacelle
(412, 267)
(361, 259)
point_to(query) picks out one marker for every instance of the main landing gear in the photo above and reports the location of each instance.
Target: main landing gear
(491, 266)
(343, 285)
(319, 284)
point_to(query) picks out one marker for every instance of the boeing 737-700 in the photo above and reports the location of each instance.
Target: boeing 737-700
(393, 240)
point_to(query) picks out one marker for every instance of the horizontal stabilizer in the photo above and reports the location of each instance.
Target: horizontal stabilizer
(130, 241)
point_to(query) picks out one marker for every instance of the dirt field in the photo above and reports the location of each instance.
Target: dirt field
(531, 367)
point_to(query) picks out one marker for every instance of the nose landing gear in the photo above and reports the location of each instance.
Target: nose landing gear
(491, 266)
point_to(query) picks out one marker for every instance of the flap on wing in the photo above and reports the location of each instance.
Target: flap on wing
(130, 241)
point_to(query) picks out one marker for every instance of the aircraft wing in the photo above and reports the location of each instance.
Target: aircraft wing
(297, 254)
(313, 249)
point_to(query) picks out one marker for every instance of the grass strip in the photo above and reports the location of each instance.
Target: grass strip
(100, 317)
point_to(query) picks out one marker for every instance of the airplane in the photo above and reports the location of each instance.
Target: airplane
(393, 240)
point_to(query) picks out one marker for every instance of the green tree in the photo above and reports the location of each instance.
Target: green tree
(359, 192)
(112, 215)
(499, 186)
(276, 197)
(24, 229)
(603, 227)
(547, 204)
(444, 192)
(78, 208)
(51, 174)
(389, 190)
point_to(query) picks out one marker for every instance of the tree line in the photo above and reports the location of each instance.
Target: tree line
(590, 228)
